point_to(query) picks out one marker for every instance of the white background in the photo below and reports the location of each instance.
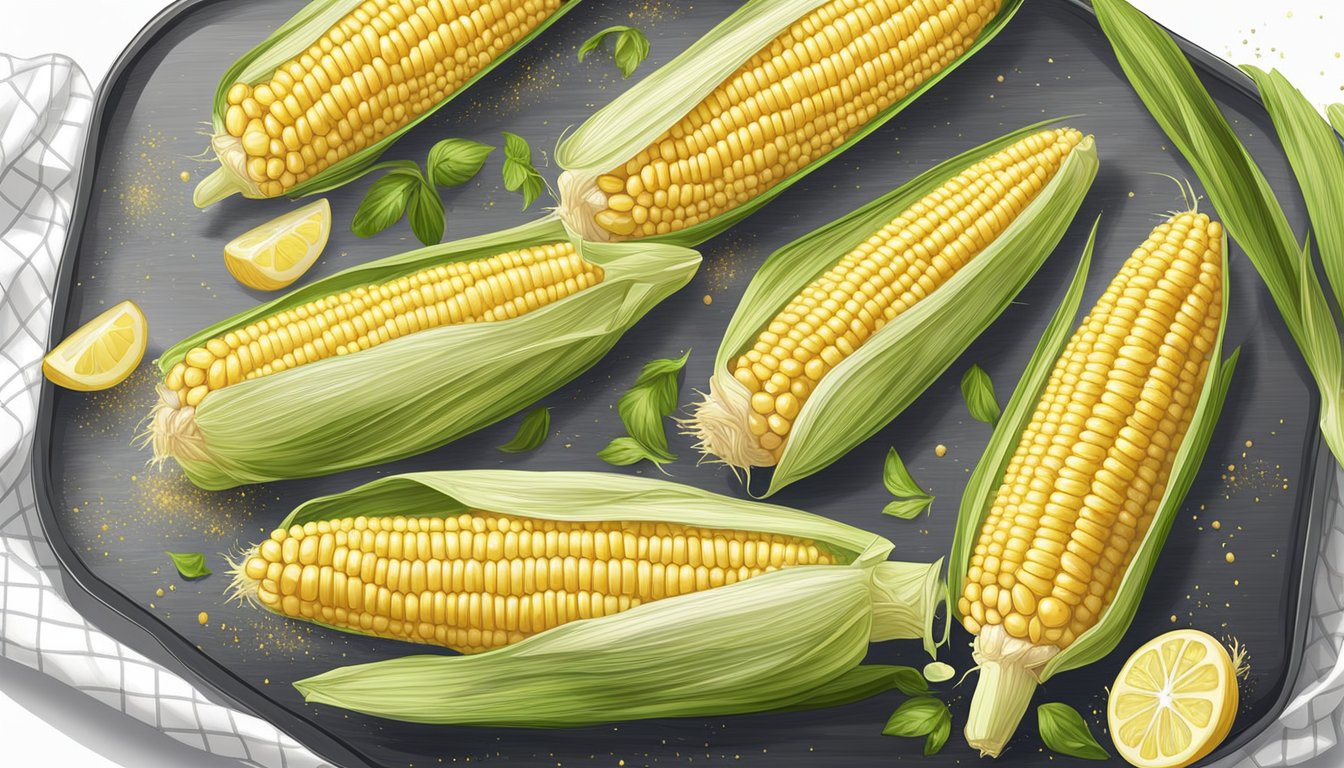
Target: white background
(43, 724)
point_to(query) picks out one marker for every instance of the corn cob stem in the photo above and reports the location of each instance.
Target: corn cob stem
(747, 421)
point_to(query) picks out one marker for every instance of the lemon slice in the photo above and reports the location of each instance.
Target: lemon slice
(1173, 701)
(278, 252)
(102, 353)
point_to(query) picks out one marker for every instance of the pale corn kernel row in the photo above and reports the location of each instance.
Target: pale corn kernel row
(478, 580)
(493, 288)
(804, 94)
(381, 66)
(895, 268)
(1088, 475)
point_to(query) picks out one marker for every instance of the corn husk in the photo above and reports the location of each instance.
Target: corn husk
(416, 392)
(634, 119)
(257, 66)
(785, 639)
(899, 361)
(1009, 675)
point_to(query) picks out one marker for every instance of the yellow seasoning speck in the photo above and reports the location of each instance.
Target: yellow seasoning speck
(708, 299)
(202, 618)
(1173, 618)
(158, 592)
(940, 450)
(172, 587)
(265, 681)
(1217, 525)
(999, 78)
(1249, 443)
(185, 176)
(1231, 558)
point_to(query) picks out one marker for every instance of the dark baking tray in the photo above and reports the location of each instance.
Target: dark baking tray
(136, 235)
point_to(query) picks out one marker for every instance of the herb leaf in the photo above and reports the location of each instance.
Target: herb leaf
(978, 392)
(532, 432)
(191, 565)
(519, 173)
(425, 213)
(919, 716)
(1064, 731)
(456, 161)
(933, 744)
(624, 451)
(898, 480)
(632, 47)
(907, 509)
(386, 201)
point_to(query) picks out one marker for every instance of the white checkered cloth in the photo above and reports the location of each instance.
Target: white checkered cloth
(45, 107)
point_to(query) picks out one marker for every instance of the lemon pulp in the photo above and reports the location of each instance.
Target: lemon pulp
(277, 253)
(102, 352)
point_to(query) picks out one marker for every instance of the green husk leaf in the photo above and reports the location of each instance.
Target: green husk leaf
(898, 362)
(907, 509)
(1336, 114)
(937, 672)
(189, 565)
(608, 138)
(978, 391)
(785, 639)
(907, 680)
(428, 388)
(1065, 732)
(857, 684)
(453, 162)
(919, 716)
(293, 38)
(532, 432)
(898, 480)
(988, 472)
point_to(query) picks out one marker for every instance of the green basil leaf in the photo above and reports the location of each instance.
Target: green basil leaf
(519, 173)
(652, 398)
(919, 716)
(632, 47)
(907, 509)
(855, 684)
(898, 480)
(191, 565)
(456, 161)
(385, 202)
(938, 736)
(1065, 732)
(907, 680)
(426, 214)
(978, 392)
(532, 432)
(624, 451)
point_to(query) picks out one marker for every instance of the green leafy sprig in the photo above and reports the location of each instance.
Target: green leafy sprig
(403, 190)
(912, 498)
(632, 47)
(643, 407)
(532, 432)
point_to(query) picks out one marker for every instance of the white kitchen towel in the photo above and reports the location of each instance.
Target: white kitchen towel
(45, 107)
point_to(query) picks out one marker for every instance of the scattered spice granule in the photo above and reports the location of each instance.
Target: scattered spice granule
(940, 450)
(708, 299)
(202, 618)
(999, 79)
(1217, 525)
(158, 592)
(1173, 618)
(1231, 558)
(1249, 443)
(185, 176)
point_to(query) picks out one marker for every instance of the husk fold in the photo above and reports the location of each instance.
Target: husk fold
(417, 392)
(257, 65)
(630, 122)
(898, 362)
(786, 639)
(1011, 668)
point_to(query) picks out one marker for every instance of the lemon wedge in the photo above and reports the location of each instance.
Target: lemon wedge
(1173, 701)
(102, 353)
(278, 252)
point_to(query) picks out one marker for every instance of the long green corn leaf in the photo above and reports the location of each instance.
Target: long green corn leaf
(788, 639)
(428, 388)
(611, 136)
(293, 38)
(870, 387)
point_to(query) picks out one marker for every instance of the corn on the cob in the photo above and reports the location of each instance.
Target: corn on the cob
(770, 383)
(347, 75)
(489, 289)
(770, 103)
(417, 336)
(808, 597)
(1093, 468)
(479, 580)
